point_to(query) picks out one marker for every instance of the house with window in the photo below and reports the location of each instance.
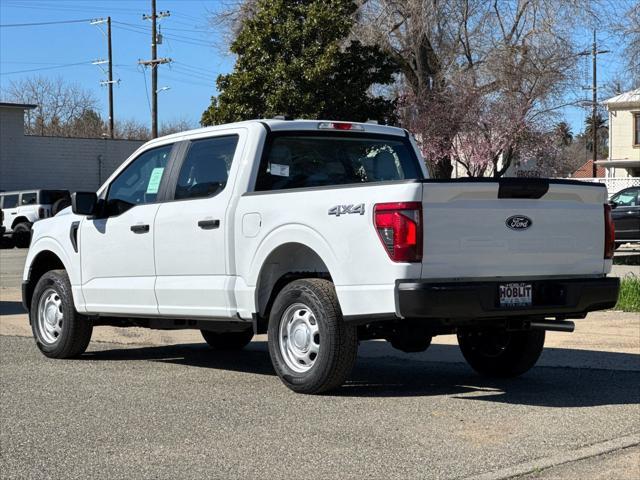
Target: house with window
(623, 165)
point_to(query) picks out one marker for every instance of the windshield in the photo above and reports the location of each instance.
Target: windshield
(48, 197)
(299, 160)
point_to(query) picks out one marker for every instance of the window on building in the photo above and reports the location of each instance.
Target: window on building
(636, 129)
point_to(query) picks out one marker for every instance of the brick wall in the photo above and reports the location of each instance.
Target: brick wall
(74, 164)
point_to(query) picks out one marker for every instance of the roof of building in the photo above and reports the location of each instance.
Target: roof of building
(23, 106)
(626, 99)
(586, 171)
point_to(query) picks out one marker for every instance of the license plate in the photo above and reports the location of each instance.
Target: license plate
(515, 294)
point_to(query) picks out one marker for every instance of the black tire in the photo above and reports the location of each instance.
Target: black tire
(498, 353)
(338, 342)
(75, 329)
(228, 340)
(6, 242)
(59, 205)
(21, 235)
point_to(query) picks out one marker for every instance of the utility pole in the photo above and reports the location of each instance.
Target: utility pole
(153, 63)
(594, 102)
(109, 82)
(110, 78)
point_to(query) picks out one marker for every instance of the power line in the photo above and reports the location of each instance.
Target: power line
(46, 68)
(8, 25)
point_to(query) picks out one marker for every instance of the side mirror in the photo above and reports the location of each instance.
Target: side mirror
(84, 203)
(612, 204)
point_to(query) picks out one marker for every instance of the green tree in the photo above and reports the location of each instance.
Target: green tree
(294, 57)
(602, 133)
(563, 133)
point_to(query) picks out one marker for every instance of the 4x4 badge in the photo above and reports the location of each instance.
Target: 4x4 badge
(347, 209)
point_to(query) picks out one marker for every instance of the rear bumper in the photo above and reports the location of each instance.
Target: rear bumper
(564, 298)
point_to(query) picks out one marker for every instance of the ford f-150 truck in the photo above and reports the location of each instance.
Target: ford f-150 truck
(320, 234)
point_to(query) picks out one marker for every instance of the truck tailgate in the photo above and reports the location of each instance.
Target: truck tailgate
(512, 228)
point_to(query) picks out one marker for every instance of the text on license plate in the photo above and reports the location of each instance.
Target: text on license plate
(515, 295)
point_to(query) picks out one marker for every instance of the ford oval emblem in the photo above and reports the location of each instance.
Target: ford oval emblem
(518, 222)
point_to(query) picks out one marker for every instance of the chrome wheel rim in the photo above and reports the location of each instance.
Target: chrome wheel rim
(50, 316)
(299, 337)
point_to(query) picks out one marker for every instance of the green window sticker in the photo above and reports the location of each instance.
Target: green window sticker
(154, 180)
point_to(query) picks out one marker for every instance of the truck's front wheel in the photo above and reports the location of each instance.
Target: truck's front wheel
(311, 348)
(498, 353)
(59, 330)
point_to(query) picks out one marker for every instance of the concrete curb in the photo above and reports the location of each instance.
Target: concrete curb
(561, 458)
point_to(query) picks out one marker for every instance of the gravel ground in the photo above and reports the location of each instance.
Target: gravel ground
(184, 411)
(145, 404)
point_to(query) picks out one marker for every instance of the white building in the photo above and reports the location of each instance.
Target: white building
(624, 138)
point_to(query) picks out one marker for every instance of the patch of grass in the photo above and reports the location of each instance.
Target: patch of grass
(629, 298)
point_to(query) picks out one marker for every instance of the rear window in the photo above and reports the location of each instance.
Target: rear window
(49, 197)
(10, 201)
(299, 160)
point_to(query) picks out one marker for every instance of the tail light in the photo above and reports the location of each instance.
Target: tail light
(41, 213)
(609, 232)
(339, 126)
(399, 226)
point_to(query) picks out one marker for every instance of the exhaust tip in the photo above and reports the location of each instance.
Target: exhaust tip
(553, 325)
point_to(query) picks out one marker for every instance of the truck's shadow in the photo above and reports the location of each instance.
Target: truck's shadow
(11, 308)
(378, 376)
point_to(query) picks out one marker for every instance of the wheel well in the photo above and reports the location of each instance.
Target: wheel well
(286, 263)
(19, 220)
(44, 262)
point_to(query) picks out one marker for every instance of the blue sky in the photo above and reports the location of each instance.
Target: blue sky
(197, 51)
(189, 41)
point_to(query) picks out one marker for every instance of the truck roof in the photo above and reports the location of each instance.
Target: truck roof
(284, 125)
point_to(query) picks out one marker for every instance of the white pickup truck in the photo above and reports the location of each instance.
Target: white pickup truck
(320, 234)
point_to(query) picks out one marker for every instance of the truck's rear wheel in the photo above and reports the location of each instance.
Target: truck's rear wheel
(59, 331)
(311, 348)
(21, 235)
(498, 353)
(228, 340)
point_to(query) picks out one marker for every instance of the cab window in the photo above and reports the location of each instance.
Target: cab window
(139, 183)
(205, 170)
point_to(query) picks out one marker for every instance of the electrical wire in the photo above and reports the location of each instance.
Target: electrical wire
(46, 68)
(8, 25)
(146, 89)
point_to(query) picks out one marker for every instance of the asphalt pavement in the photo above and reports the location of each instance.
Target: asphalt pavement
(152, 407)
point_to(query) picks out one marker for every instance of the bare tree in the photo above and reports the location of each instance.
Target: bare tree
(175, 126)
(132, 130)
(489, 72)
(628, 29)
(60, 107)
(229, 17)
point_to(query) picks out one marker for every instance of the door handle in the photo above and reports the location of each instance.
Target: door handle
(139, 228)
(209, 224)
